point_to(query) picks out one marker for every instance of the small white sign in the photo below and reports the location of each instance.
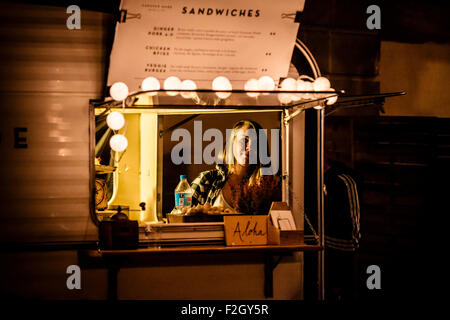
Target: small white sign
(283, 219)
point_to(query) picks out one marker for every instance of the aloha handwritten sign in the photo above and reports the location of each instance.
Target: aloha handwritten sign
(245, 230)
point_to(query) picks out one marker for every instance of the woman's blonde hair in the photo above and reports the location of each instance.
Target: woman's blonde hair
(228, 152)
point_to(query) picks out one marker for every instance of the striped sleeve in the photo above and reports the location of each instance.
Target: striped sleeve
(343, 238)
(201, 187)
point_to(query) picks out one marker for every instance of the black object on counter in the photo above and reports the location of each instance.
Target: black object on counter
(119, 232)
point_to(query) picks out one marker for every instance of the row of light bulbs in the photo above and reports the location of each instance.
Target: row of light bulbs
(119, 92)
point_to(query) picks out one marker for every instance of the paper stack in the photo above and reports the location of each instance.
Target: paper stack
(198, 233)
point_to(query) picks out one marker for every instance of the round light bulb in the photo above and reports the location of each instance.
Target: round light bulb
(118, 142)
(321, 84)
(150, 84)
(289, 84)
(222, 83)
(119, 91)
(296, 97)
(332, 100)
(251, 85)
(266, 83)
(115, 120)
(305, 86)
(188, 85)
(284, 98)
(172, 83)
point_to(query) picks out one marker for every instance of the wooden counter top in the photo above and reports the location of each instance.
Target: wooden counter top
(206, 249)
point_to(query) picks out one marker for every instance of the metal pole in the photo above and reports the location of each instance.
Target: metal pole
(320, 204)
(285, 157)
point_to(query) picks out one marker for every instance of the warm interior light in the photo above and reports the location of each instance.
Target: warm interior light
(115, 120)
(173, 83)
(251, 85)
(119, 91)
(321, 84)
(150, 84)
(188, 85)
(118, 142)
(266, 83)
(222, 83)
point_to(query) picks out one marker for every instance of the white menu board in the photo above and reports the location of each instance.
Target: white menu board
(200, 40)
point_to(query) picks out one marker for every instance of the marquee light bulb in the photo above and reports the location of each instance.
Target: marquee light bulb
(150, 84)
(118, 142)
(222, 83)
(188, 85)
(119, 91)
(289, 84)
(266, 83)
(251, 85)
(173, 83)
(321, 84)
(284, 98)
(305, 86)
(115, 120)
(332, 100)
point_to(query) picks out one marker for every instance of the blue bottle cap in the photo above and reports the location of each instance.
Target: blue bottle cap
(183, 176)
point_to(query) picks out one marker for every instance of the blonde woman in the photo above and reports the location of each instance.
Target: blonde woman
(237, 184)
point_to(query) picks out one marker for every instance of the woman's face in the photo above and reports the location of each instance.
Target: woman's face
(244, 142)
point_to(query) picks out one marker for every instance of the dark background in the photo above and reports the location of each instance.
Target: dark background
(398, 160)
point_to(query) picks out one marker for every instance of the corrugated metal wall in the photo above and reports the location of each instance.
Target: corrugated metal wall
(48, 74)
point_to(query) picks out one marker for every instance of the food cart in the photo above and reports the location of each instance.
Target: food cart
(65, 200)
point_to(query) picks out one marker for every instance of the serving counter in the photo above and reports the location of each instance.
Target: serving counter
(114, 260)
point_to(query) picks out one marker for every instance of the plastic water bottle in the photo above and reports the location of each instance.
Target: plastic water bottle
(183, 194)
